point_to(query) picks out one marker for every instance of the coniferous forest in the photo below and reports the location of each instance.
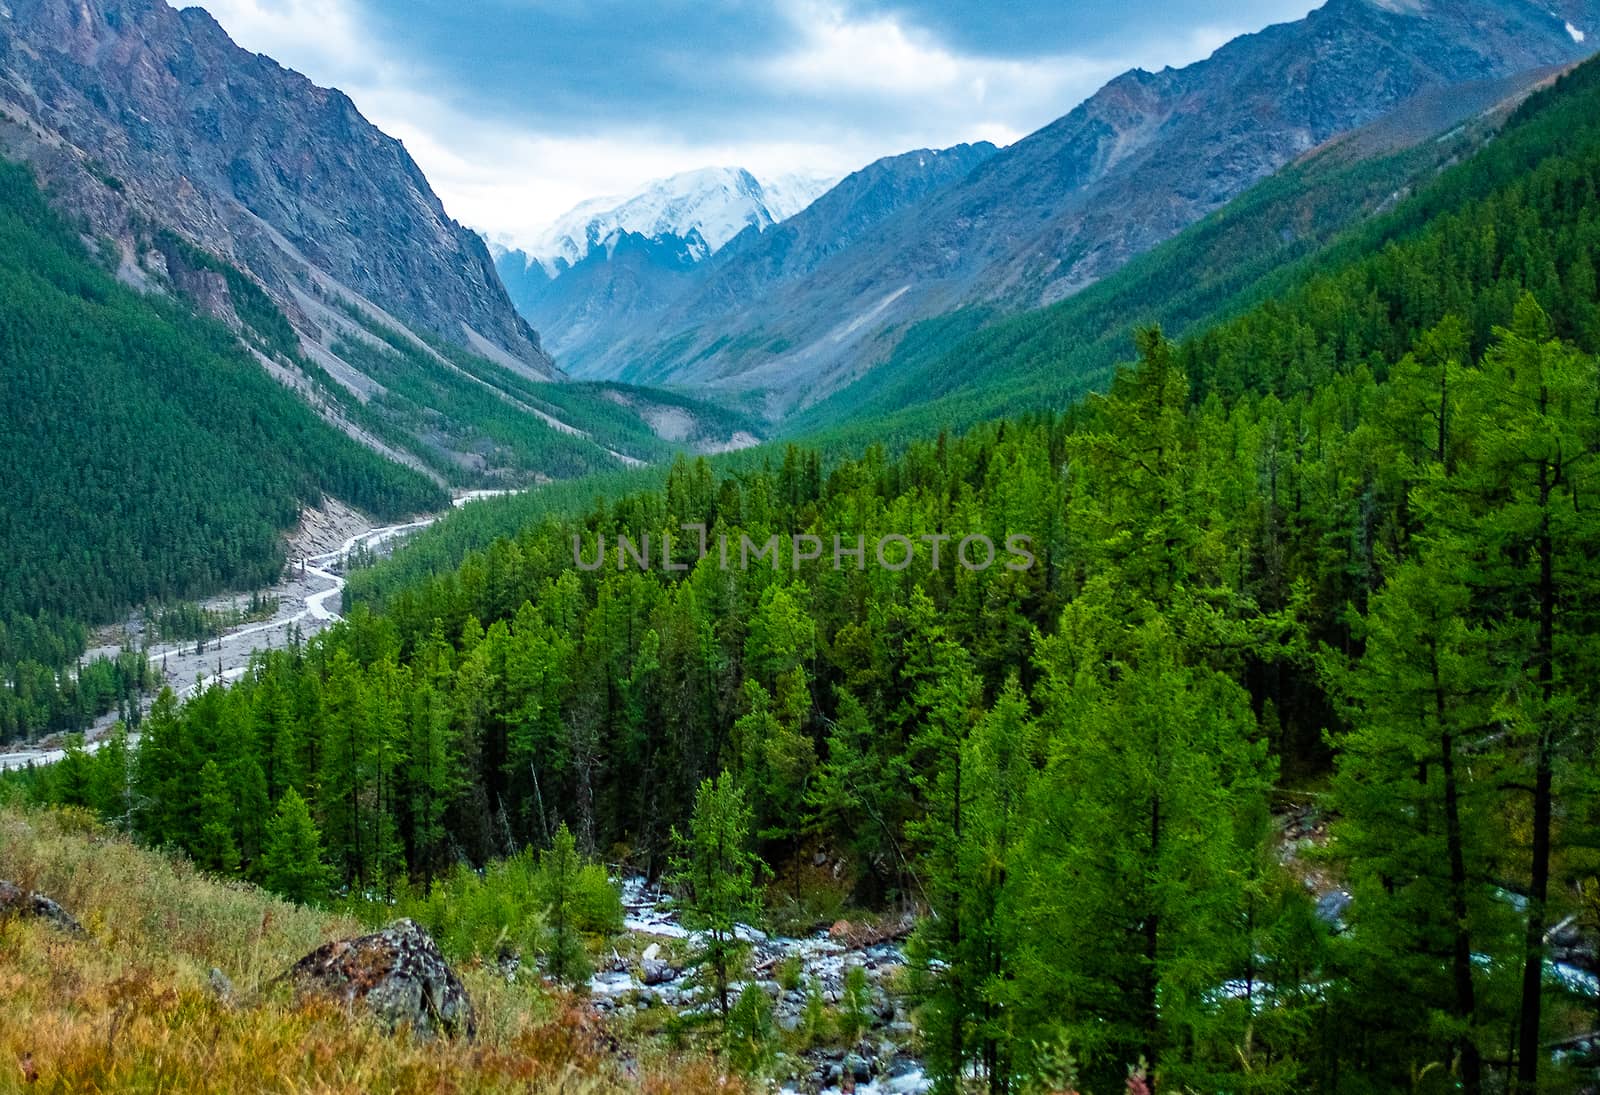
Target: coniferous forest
(1334, 555)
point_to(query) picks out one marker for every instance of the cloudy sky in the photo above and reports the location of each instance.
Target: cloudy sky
(519, 109)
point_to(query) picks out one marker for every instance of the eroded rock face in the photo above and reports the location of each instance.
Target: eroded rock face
(15, 901)
(398, 974)
(135, 113)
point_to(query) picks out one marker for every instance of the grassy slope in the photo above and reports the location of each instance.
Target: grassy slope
(129, 1008)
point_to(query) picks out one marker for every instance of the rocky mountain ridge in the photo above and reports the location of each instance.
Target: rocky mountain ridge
(139, 117)
(704, 208)
(617, 295)
(1149, 154)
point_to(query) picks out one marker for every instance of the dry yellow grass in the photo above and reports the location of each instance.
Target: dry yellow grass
(129, 1008)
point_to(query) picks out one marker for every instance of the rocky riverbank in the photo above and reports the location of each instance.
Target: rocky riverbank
(654, 975)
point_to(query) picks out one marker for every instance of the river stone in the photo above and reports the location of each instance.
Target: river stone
(15, 901)
(398, 974)
(653, 971)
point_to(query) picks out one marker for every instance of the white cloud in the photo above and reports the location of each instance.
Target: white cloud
(856, 88)
(879, 59)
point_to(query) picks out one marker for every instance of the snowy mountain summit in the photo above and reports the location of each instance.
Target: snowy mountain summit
(704, 208)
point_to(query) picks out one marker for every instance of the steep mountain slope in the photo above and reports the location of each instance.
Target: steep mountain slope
(216, 175)
(1146, 156)
(620, 296)
(134, 112)
(614, 263)
(146, 453)
(979, 363)
(624, 279)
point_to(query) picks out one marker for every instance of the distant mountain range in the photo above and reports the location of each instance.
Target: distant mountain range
(211, 174)
(614, 260)
(704, 208)
(672, 251)
(1037, 222)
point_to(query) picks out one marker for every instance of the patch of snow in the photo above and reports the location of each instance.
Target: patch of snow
(790, 194)
(1577, 35)
(714, 204)
(845, 330)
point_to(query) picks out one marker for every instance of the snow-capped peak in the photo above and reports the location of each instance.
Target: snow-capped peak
(714, 204)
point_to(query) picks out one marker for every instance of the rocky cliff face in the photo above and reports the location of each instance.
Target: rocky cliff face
(138, 116)
(1149, 154)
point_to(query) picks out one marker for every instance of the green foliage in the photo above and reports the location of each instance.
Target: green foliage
(1292, 230)
(855, 1005)
(815, 1026)
(1345, 539)
(291, 860)
(149, 456)
(569, 889)
(720, 880)
(750, 1035)
(788, 972)
(214, 848)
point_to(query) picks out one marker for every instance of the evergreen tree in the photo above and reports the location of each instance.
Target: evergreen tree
(1416, 794)
(215, 848)
(1517, 517)
(558, 883)
(718, 878)
(291, 862)
(1150, 808)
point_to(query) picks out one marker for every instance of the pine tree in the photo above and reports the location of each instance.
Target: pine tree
(750, 1033)
(215, 848)
(952, 697)
(1416, 794)
(1517, 517)
(1141, 831)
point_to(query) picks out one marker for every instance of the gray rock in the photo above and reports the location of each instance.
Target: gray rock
(15, 901)
(1332, 906)
(653, 971)
(398, 974)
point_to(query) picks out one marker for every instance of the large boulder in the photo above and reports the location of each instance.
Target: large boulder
(398, 974)
(15, 901)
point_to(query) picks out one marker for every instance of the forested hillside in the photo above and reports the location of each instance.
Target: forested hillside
(146, 453)
(1336, 551)
(1326, 211)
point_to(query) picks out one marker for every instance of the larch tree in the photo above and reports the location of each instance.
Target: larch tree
(719, 879)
